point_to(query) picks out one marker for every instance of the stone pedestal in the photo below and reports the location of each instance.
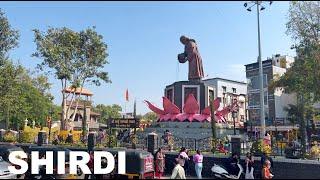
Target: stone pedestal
(152, 142)
(236, 145)
(91, 141)
(2, 133)
(179, 91)
(42, 138)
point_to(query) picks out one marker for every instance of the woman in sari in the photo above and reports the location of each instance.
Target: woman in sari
(160, 164)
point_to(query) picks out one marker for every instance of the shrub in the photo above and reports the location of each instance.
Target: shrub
(205, 125)
(113, 141)
(9, 137)
(315, 152)
(75, 144)
(29, 134)
(260, 147)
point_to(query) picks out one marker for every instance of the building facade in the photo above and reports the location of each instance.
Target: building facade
(179, 91)
(209, 89)
(227, 90)
(81, 109)
(274, 100)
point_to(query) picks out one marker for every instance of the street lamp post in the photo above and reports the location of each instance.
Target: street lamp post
(234, 115)
(275, 125)
(262, 112)
(251, 130)
(50, 123)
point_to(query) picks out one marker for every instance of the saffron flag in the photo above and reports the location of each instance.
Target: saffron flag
(127, 95)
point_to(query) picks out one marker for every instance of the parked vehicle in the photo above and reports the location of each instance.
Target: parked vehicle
(42, 174)
(220, 172)
(6, 149)
(293, 151)
(139, 164)
(4, 171)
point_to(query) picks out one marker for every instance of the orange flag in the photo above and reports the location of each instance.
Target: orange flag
(127, 95)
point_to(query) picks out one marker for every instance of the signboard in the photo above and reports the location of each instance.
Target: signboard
(279, 121)
(253, 107)
(148, 164)
(124, 123)
(252, 66)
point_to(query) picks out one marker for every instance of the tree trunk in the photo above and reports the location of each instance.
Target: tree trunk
(84, 121)
(302, 124)
(71, 102)
(8, 118)
(63, 113)
(213, 126)
(77, 103)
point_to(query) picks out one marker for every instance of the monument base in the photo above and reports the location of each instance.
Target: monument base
(179, 91)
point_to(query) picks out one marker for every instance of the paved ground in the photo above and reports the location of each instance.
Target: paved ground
(188, 177)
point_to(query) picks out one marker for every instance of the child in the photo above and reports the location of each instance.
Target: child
(266, 170)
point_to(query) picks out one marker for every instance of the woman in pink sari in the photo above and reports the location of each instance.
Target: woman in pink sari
(160, 164)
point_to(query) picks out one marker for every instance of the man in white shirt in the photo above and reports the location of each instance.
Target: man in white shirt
(178, 171)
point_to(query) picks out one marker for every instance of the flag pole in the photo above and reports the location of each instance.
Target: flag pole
(126, 100)
(125, 108)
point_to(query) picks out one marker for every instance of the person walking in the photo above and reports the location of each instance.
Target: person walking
(185, 158)
(198, 160)
(231, 165)
(267, 139)
(91, 166)
(178, 171)
(160, 164)
(56, 140)
(249, 166)
(265, 156)
(69, 138)
(266, 174)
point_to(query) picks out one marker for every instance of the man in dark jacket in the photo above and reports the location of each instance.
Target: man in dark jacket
(232, 164)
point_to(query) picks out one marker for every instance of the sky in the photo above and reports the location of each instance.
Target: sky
(143, 41)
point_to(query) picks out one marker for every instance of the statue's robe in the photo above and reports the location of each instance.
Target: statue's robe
(195, 61)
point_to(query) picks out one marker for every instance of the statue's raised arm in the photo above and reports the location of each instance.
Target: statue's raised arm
(192, 55)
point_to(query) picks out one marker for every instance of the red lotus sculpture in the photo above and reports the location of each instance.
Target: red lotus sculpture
(191, 111)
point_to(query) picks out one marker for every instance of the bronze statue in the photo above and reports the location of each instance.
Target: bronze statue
(192, 55)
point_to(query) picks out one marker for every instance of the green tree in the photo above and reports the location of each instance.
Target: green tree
(8, 37)
(213, 126)
(57, 49)
(20, 98)
(293, 113)
(8, 40)
(107, 111)
(76, 57)
(21, 95)
(56, 109)
(304, 75)
(303, 24)
(150, 117)
(9, 89)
